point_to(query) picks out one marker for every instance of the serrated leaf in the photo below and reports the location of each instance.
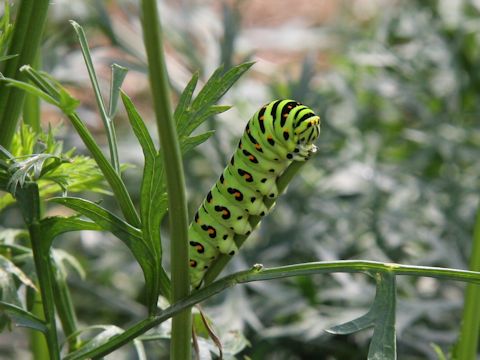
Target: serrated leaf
(201, 118)
(193, 141)
(153, 199)
(139, 128)
(200, 108)
(219, 84)
(185, 100)
(22, 317)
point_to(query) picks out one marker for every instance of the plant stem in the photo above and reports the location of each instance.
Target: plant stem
(31, 105)
(467, 344)
(113, 178)
(38, 345)
(25, 42)
(29, 201)
(181, 324)
(107, 120)
(259, 274)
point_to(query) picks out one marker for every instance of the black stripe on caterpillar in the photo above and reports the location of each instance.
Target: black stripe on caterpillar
(279, 133)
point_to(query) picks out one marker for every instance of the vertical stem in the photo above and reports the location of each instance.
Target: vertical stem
(25, 42)
(181, 323)
(38, 345)
(29, 201)
(31, 106)
(467, 344)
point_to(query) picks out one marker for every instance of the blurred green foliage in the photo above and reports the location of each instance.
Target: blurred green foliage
(395, 178)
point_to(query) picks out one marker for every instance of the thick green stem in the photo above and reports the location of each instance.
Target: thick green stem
(25, 42)
(38, 345)
(29, 201)
(181, 325)
(467, 345)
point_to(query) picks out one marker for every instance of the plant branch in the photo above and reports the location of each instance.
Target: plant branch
(257, 273)
(181, 325)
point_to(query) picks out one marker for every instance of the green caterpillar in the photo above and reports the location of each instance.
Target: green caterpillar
(279, 133)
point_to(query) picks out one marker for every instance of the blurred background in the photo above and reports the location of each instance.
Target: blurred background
(395, 179)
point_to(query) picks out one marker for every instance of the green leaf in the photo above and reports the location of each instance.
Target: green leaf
(22, 317)
(111, 175)
(109, 331)
(188, 118)
(130, 236)
(6, 57)
(191, 142)
(181, 111)
(51, 227)
(439, 352)
(63, 258)
(381, 315)
(68, 104)
(358, 324)
(202, 117)
(43, 81)
(153, 198)
(139, 128)
(10, 269)
(107, 121)
(118, 75)
(33, 90)
(29, 169)
(383, 344)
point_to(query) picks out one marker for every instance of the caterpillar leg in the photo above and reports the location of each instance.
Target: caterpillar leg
(304, 152)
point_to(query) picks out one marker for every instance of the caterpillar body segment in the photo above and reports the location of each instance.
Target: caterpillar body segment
(279, 133)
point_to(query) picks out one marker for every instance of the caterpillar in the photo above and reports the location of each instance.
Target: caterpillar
(279, 133)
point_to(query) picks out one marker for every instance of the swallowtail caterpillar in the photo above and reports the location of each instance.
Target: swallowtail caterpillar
(279, 133)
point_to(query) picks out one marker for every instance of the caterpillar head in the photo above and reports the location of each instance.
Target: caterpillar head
(307, 130)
